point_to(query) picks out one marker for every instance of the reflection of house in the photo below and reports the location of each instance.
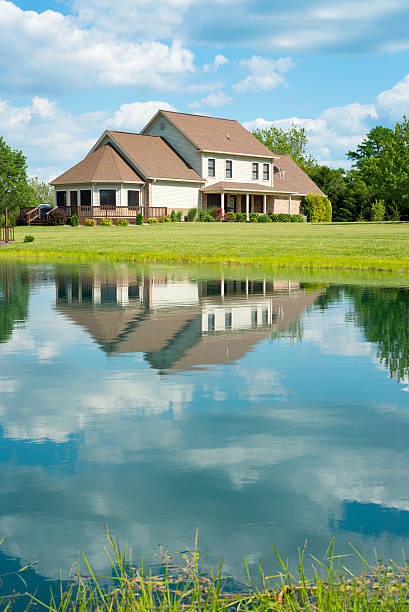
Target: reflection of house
(180, 324)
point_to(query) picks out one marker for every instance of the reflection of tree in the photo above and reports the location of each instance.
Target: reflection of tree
(14, 294)
(383, 315)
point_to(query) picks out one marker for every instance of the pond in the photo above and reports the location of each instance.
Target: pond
(256, 409)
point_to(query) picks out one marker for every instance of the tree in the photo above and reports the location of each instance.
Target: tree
(41, 192)
(287, 142)
(381, 161)
(14, 189)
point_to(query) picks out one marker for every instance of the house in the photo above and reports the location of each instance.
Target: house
(181, 161)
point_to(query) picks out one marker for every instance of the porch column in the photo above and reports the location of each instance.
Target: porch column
(264, 204)
(222, 199)
(247, 205)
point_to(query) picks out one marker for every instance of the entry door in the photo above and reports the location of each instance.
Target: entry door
(232, 203)
(73, 200)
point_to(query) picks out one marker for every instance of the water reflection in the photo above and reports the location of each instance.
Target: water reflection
(159, 403)
(180, 324)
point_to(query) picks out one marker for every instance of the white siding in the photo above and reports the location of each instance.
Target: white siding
(242, 169)
(175, 195)
(163, 127)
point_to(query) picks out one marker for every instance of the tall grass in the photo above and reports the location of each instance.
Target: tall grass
(324, 585)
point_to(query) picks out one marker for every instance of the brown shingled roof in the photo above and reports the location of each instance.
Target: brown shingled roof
(104, 164)
(154, 156)
(217, 135)
(293, 179)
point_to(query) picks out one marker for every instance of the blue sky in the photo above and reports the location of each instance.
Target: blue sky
(69, 69)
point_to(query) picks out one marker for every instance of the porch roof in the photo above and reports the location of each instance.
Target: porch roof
(246, 187)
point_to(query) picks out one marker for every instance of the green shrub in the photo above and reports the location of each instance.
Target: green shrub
(253, 217)
(231, 216)
(191, 214)
(378, 210)
(241, 217)
(74, 221)
(274, 218)
(297, 218)
(56, 218)
(166, 219)
(152, 220)
(179, 216)
(139, 219)
(317, 208)
(90, 222)
(173, 216)
(121, 222)
(201, 214)
(208, 218)
(28, 238)
(284, 218)
(264, 219)
(105, 222)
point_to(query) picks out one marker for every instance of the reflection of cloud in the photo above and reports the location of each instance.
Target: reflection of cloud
(261, 382)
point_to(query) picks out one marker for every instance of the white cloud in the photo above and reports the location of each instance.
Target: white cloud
(64, 56)
(134, 116)
(265, 74)
(218, 98)
(219, 60)
(394, 102)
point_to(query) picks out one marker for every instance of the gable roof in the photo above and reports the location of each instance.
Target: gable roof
(103, 165)
(293, 179)
(217, 135)
(154, 156)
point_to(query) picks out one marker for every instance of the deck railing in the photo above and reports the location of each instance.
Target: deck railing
(117, 212)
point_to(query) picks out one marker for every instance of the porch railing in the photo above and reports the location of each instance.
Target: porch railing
(101, 212)
(6, 233)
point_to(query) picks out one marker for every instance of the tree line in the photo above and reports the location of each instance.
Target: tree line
(377, 185)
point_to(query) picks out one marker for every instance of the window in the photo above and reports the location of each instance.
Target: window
(258, 203)
(211, 167)
(254, 317)
(133, 198)
(255, 171)
(107, 198)
(211, 322)
(229, 168)
(266, 172)
(228, 320)
(85, 197)
(265, 316)
(61, 198)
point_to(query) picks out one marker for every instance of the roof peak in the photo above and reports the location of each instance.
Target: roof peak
(164, 110)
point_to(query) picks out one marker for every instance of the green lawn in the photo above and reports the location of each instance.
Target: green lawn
(383, 247)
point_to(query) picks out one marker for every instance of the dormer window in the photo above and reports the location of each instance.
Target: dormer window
(266, 172)
(211, 167)
(255, 171)
(229, 168)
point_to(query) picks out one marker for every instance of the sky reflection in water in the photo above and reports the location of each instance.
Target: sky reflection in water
(257, 411)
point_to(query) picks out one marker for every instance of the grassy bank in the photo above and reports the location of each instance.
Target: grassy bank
(380, 247)
(178, 586)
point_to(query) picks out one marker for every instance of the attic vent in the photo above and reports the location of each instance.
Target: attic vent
(228, 136)
(162, 125)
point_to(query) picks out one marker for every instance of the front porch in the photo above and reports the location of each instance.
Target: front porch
(231, 201)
